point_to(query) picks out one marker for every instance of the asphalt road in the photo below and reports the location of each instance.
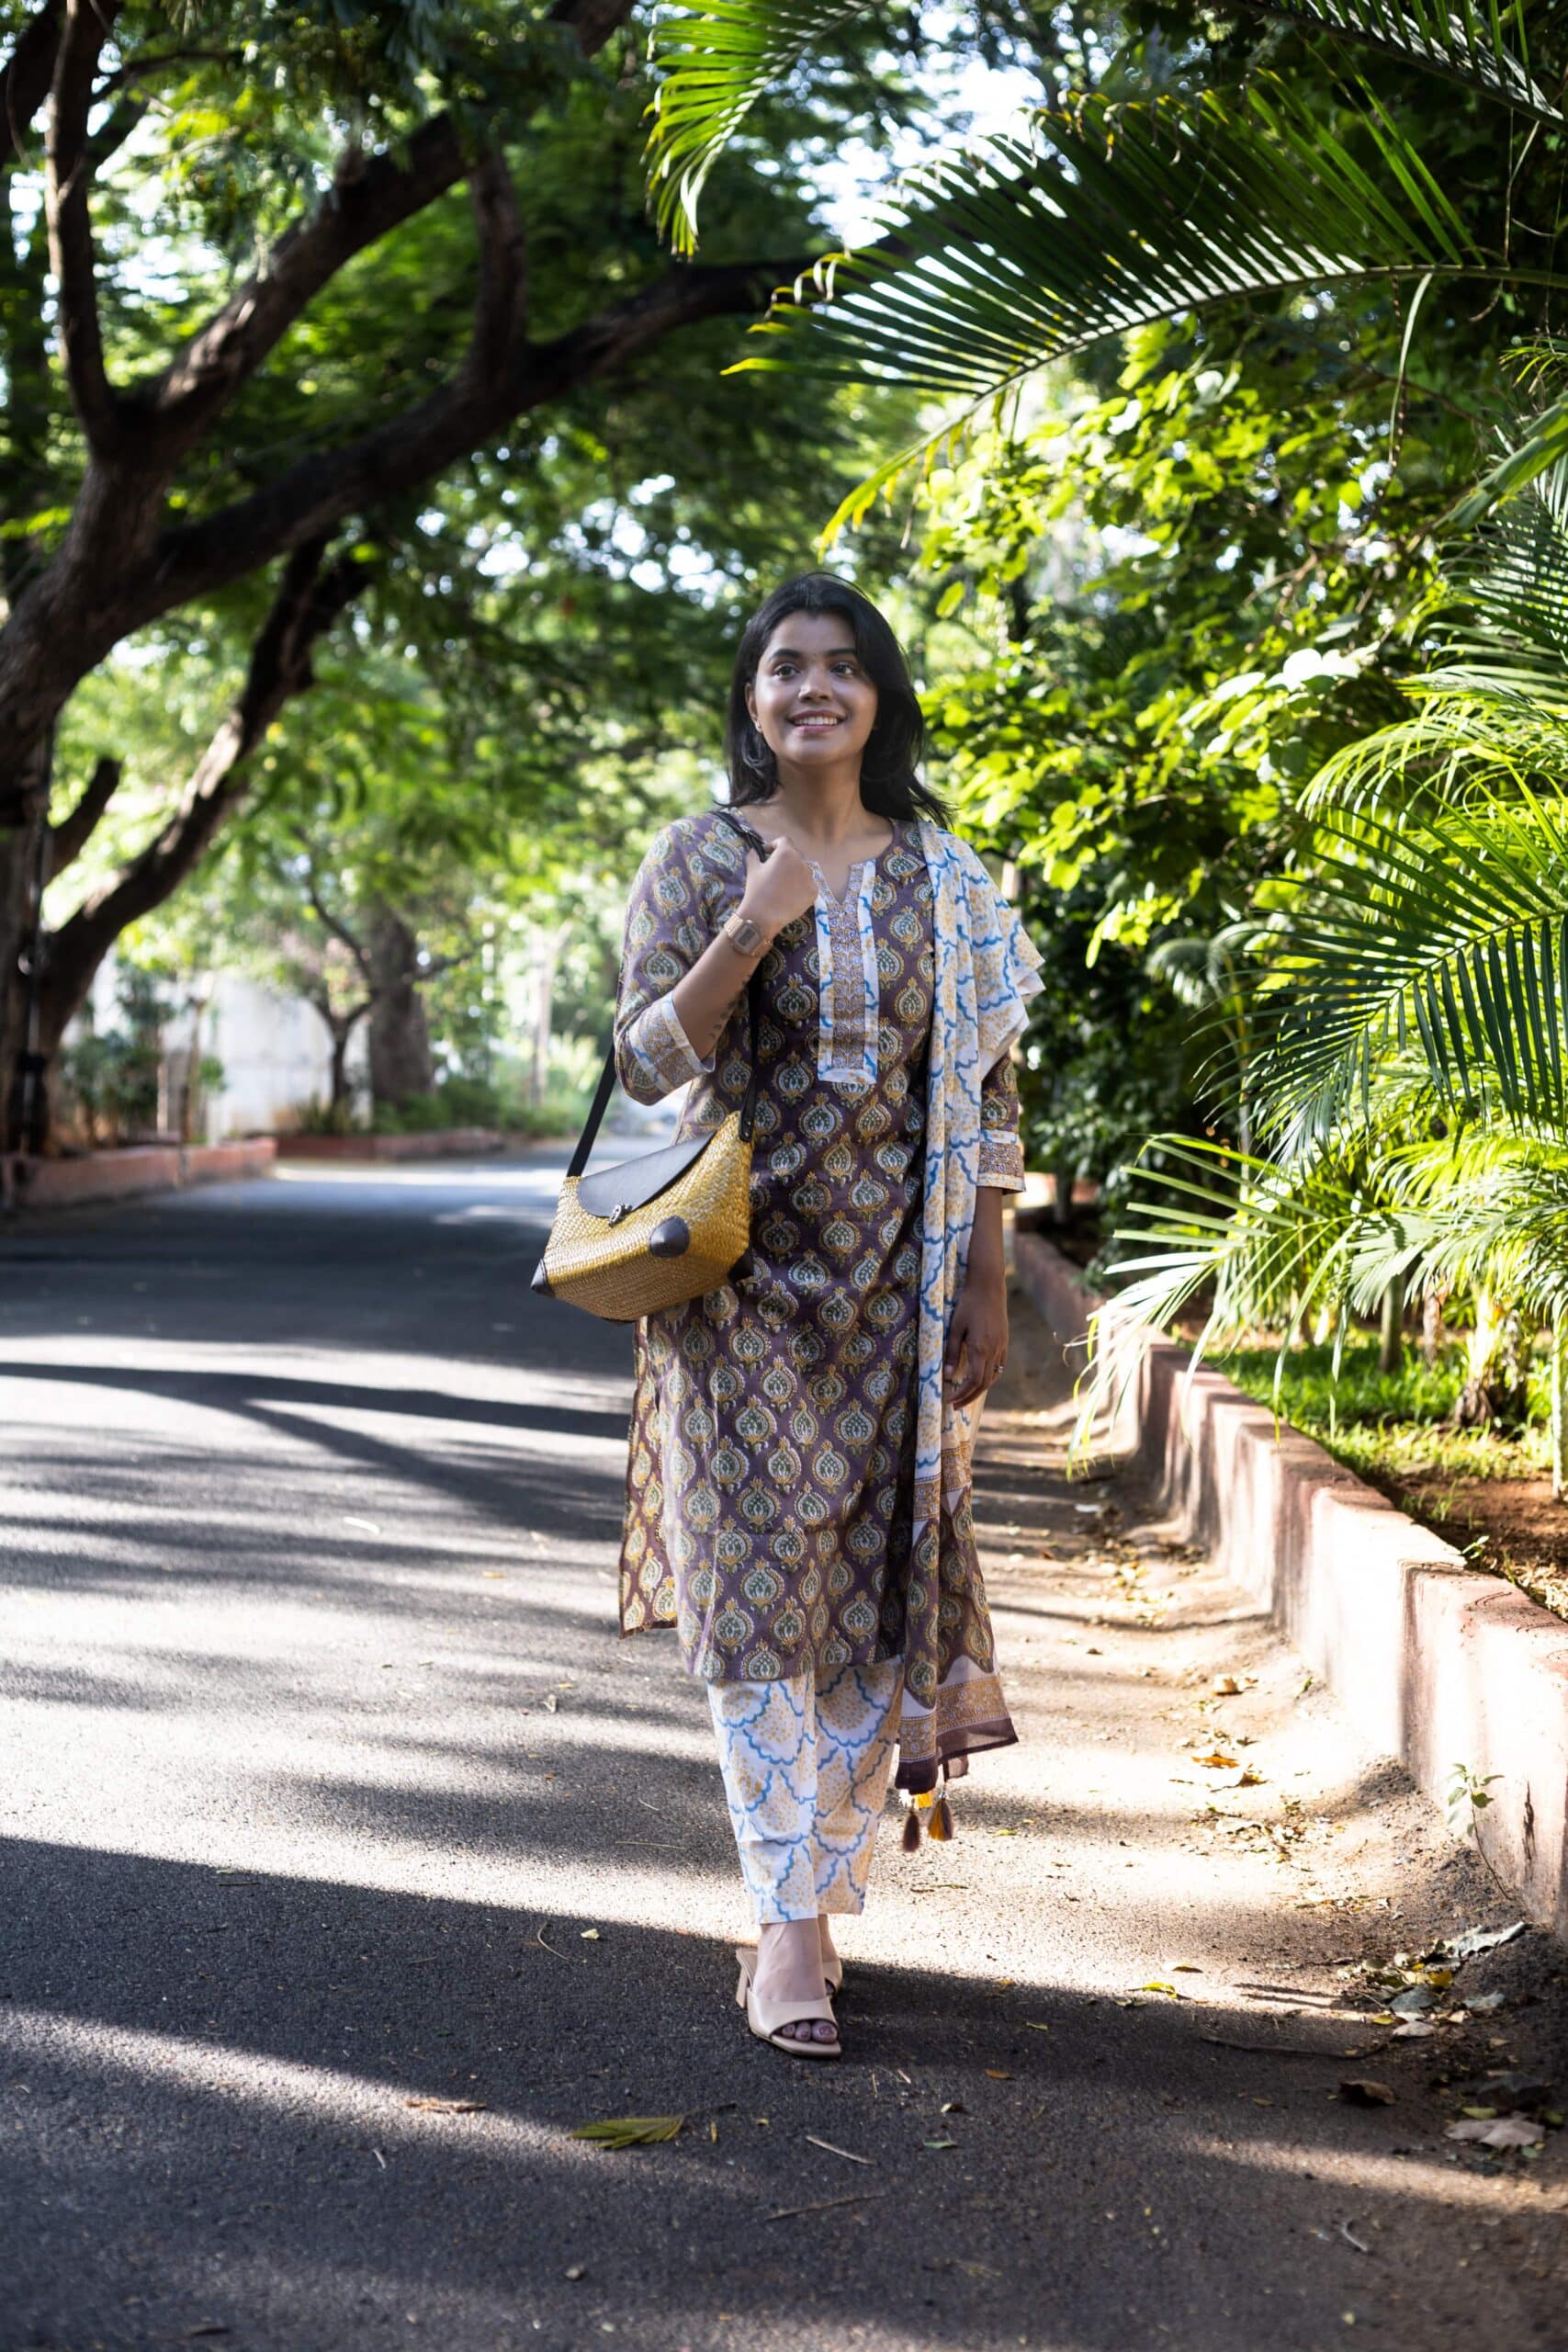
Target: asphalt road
(348, 1860)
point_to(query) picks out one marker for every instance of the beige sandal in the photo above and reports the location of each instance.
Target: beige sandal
(767, 2018)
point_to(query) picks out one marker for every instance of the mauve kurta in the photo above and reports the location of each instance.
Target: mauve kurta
(770, 1500)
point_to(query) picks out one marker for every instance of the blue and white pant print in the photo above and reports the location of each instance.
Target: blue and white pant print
(806, 1766)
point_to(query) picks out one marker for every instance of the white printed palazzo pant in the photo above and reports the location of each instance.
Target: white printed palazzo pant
(806, 1766)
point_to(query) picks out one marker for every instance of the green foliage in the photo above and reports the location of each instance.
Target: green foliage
(112, 1074)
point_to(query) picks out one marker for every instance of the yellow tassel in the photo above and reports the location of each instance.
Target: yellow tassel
(941, 1821)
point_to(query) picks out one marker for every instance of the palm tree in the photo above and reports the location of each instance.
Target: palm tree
(1412, 1082)
(1116, 212)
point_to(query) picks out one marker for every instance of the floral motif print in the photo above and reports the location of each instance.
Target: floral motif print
(806, 1765)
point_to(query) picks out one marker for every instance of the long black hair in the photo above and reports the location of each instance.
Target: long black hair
(889, 779)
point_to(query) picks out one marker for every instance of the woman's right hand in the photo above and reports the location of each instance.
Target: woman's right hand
(779, 890)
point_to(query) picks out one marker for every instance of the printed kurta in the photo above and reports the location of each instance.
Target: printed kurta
(773, 1507)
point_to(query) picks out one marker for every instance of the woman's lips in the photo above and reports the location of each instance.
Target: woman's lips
(817, 722)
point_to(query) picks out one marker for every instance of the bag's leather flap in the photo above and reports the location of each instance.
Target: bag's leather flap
(637, 1182)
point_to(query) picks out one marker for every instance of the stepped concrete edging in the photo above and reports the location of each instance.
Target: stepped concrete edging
(1435, 1662)
(440, 1143)
(29, 1184)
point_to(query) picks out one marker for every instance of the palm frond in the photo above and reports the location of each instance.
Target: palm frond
(1543, 449)
(1487, 48)
(1460, 750)
(1512, 590)
(1447, 937)
(1019, 252)
(718, 60)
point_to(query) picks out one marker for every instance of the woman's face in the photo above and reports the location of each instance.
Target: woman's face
(811, 701)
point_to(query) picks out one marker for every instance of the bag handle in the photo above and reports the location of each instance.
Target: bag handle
(606, 1085)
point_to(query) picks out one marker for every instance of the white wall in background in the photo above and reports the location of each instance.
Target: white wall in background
(273, 1048)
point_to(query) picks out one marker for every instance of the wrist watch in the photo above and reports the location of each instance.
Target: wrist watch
(745, 937)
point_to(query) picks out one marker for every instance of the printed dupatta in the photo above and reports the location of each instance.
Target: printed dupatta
(987, 969)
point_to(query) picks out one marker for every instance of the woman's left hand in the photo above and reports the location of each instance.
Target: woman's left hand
(977, 1340)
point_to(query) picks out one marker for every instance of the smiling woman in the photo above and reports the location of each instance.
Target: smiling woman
(798, 1490)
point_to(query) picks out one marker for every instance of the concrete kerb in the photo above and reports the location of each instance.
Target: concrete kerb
(1435, 1662)
(139, 1169)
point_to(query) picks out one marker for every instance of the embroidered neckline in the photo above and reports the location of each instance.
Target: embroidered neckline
(856, 875)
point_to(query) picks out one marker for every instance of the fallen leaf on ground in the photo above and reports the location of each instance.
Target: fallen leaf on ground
(1155, 1986)
(1030, 2027)
(450, 2106)
(551, 1702)
(1360, 2090)
(1215, 1761)
(629, 2132)
(939, 2143)
(997, 2074)
(953, 2106)
(1485, 2002)
(1506, 2132)
(1225, 1686)
(575, 2272)
(848, 2154)
(590, 1935)
(371, 1526)
(1186, 1968)
(1476, 1940)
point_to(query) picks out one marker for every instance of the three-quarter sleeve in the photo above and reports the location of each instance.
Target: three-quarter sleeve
(665, 933)
(1002, 1153)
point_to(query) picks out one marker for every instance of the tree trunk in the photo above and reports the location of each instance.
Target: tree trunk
(337, 1100)
(24, 843)
(1391, 1342)
(1495, 1395)
(1559, 1362)
(401, 1059)
(546, 954)
(1062, 1207)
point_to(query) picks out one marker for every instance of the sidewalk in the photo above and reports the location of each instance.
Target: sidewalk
(1257, 1886)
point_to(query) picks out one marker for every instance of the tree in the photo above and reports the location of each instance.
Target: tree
(349, 331)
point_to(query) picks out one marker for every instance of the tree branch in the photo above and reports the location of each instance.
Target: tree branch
(370, 195)
(68, 179)
(322, 490)
(501, 306)
(70, 837)
(137, 69)
(307, 601)
(336, 925)
(25, 79)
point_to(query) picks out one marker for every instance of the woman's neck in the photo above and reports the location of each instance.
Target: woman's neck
(825, 810)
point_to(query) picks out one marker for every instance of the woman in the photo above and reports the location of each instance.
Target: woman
(799, 1488)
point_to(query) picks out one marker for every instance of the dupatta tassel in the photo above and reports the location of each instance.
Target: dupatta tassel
(933, 1803)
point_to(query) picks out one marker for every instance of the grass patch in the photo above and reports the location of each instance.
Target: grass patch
(1389, 1425)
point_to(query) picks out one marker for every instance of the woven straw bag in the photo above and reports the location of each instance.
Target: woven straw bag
(659, 1229)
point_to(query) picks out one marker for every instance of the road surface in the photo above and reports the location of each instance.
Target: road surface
(350, 1860)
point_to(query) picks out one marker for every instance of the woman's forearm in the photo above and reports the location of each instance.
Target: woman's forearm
(705, 997)
(985, 1261)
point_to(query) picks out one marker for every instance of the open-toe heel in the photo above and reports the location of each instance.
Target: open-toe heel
(767, 2019)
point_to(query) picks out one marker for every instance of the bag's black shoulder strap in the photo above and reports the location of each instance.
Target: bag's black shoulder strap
(606, 1085)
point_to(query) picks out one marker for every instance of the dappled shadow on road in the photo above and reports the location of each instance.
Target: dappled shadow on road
(357, 2102)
